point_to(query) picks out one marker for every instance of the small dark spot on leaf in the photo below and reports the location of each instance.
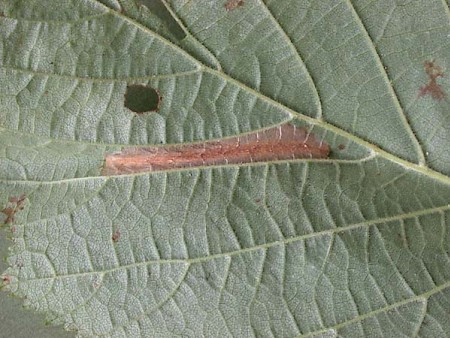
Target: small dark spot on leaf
(97, 282)
(116, 236)
(6, 279)
(341, 146)
(232, 4)
(208, 276)
(432, 88)
(142, 99)
(257, 200)
(18, 263)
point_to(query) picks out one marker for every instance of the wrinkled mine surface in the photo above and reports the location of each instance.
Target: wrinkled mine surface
(279, 143)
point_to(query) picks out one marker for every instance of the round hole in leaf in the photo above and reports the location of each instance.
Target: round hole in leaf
(141, 99)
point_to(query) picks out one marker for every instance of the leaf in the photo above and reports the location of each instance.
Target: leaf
(354, 245)
(19, 322)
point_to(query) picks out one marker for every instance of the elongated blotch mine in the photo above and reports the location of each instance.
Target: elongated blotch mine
(283, 142)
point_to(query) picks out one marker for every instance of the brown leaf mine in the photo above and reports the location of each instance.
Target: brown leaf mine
(283, 142)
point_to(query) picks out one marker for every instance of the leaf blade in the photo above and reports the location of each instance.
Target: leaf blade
(293, 248)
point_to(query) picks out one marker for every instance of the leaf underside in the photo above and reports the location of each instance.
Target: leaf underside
(353, 245)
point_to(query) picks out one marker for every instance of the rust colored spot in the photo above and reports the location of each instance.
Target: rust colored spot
(285, 142)
(257, 200)
(142, 99)
(432, 87)
(232, 4)
(9, 212)
(341, 146)
(6, 279)
(16, 204)
(116, 236)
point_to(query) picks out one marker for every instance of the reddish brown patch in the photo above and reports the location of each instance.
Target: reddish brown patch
(257, 200)
(285, 142)
(6, 279)
(232, 4)
(341, 146)
(432, 88)
(116, 236)
(16, 204)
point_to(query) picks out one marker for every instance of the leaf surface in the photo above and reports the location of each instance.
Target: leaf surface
(353, 245)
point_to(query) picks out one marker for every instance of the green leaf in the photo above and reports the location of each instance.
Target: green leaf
(354, 245)
(19, 322)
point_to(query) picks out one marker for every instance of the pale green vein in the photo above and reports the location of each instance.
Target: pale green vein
(218, 166)
(65, 23)
(399, 108)
(329, 232)
(419, 298)
(93, 79)
(156, 307)
(188, 33)
(300, 59)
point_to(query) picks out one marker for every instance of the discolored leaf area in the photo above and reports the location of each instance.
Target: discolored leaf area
(351, 243)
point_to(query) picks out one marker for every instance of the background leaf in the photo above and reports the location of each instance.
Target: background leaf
(355, 245)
